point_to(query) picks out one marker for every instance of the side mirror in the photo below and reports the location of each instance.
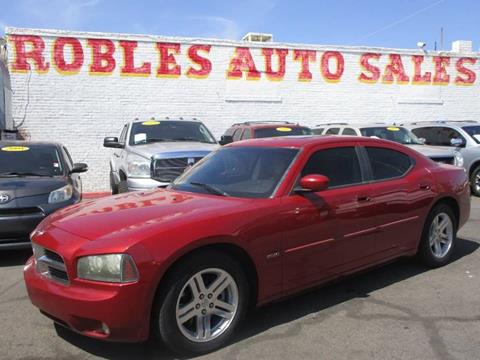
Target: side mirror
(112, 142)
(314, 183)
(79, 168)
(226, 139)
(457, 142)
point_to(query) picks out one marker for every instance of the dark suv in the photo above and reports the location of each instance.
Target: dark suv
(262, 129)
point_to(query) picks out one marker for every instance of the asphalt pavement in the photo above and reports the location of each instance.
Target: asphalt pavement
(399, 311)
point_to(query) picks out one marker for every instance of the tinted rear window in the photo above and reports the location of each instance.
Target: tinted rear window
(30, 159)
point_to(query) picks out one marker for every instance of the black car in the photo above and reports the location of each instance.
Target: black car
(36, 179)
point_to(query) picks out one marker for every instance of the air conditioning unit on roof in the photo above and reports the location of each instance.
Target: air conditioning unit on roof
(258, 37)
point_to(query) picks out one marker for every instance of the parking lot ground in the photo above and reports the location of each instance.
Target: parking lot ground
(399, 311)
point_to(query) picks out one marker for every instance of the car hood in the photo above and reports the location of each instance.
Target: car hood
(20, 187)
(161, 208)
(433, 151)
(185, 147)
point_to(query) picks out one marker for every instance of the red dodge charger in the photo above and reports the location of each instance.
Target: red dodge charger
(252, 222)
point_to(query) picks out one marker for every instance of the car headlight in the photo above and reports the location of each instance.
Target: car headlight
(118, 268)
(63, 194)
(138, 166)
(458, 161)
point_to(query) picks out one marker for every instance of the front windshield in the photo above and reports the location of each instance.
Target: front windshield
(392, 133)
(474, 132)
(281, 131)
(249, 172)
(169, 130)
(29, 160)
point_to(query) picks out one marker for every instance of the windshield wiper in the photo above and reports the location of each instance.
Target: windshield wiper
(210, 188)
(13, 173)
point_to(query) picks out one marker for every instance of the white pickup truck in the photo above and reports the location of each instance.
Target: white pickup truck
(153, 153)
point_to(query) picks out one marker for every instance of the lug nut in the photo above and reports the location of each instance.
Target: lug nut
(197, 306)
(204, 312)
(210, 296)
(211, 305)
(202, 296)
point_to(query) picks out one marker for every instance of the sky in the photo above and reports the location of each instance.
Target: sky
(382, 23)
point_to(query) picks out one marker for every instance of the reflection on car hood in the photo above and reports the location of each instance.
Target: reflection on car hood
(148, 150)
(433, 151)
(131, 211)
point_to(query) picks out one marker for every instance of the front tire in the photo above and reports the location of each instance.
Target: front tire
(438, 237)
(203, 302)
(122, 187)
(475, 181)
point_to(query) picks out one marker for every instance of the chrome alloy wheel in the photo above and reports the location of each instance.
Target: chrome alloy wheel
(207, 305)
(476, 182)
(441, 235)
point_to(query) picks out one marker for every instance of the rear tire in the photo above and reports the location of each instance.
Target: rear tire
(438, 237)
(122, 187)
(475, 181)
(202, 303)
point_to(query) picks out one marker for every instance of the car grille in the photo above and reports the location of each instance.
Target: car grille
(27, 211)
(444, 160)
(50, 264)
(167, 170)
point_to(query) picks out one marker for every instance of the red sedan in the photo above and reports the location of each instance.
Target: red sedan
(252, 222)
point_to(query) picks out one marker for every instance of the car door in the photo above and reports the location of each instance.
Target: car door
(75, 178)
(119, 154)
(401, 192)
(329, 231)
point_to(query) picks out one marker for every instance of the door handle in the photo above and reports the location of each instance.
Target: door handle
(424, 187)
(363, 198)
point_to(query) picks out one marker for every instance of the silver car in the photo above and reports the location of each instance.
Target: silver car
(463, 135)
(153, 153)
(395, 133)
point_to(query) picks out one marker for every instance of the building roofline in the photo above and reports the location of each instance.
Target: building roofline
(226, 42)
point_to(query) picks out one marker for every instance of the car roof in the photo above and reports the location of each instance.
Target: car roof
(358, 125)
(165, 119)
(306, 140)
(266, 124)
(29, 143)
(459, 123)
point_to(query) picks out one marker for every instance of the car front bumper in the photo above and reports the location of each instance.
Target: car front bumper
(100, 310)
(136, 184)
(16, 224)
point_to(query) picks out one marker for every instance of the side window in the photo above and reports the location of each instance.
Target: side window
(428, 133)
(237, 134)
(68, 158)
(247, 134)
(317, 131)
(123, 135)
(349, 131)
(446, 135)
(387, 163)
(340, 165)
(332, 131)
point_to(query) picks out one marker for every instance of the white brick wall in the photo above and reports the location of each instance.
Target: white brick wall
(79, 110)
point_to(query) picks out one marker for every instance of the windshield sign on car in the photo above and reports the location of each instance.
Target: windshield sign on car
(282, 131)
(31, 160)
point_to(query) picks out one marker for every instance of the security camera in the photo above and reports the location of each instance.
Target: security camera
(421, 45)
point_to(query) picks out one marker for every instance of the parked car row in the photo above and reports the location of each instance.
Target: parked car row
(153, 153)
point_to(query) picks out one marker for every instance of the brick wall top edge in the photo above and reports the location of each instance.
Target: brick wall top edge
(224, 42)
